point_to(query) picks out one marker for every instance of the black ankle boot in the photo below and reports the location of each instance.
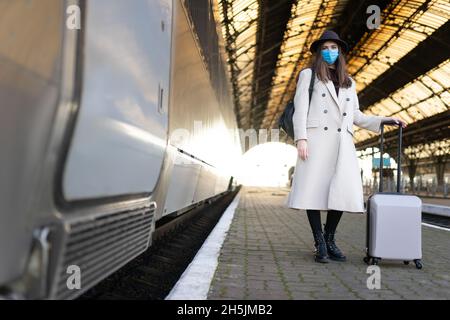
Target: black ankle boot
(333, 250)
(320, 254)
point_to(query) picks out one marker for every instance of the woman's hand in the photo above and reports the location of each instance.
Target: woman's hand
(404, 124)
(302, 148)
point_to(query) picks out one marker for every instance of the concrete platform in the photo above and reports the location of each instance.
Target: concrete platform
(267, 254)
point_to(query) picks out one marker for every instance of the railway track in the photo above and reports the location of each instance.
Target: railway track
(436, 220)
(152, 275)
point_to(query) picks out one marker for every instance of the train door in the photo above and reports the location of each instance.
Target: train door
(120, 133)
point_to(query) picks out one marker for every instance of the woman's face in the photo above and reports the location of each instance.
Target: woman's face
(329, 45)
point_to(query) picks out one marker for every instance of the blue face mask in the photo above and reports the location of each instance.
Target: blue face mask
(330, 55)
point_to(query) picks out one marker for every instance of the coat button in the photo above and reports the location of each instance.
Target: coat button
(325, 111)
(348, 99)
(323, 94)
(345, 113)
(326, 128)
(339, 129)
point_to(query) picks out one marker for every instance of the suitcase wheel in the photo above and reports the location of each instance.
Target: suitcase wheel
(375, 261)
(406, 262)
(418, 263)
(366, 260)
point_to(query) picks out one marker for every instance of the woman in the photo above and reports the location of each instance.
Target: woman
(327, 175)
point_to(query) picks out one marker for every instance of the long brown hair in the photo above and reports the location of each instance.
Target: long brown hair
(322, 70)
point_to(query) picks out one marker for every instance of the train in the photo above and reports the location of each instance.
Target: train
(114, 114)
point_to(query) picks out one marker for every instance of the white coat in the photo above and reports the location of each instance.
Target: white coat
(330, 177)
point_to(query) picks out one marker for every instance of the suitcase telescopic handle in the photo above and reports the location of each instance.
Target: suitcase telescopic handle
(399, 153)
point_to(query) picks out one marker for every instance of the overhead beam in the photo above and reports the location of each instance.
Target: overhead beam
(430, 129)
(351, 25)
(274, 16)
(419, 61)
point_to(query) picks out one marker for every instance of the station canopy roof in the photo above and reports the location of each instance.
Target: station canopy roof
(402, 68)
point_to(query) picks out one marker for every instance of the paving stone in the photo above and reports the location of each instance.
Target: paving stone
(267, 254)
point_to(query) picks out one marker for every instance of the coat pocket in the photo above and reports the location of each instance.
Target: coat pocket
(350, 128)
(312, 123)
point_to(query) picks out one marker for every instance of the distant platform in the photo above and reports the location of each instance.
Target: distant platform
(267, 254)
(434, 205)
(437, 206)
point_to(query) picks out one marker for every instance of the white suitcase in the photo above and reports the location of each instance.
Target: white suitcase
(394, 221)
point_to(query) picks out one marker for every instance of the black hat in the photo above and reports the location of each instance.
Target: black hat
(329, 35)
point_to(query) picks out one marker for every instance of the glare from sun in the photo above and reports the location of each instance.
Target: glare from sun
(268, 164)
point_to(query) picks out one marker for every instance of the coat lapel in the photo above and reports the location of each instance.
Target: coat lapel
(330, 86)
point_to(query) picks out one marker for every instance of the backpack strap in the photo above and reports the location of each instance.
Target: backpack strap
(311, 86)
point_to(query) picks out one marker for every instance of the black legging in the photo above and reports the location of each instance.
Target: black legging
(333, 218)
